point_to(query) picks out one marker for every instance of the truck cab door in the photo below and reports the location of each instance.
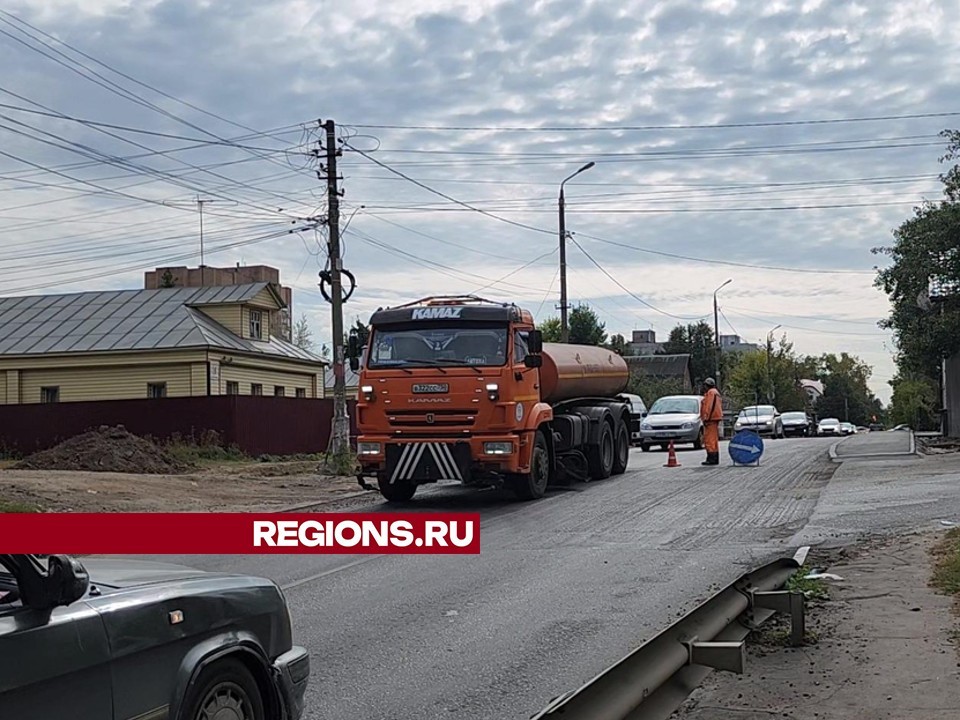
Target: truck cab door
(527, 379)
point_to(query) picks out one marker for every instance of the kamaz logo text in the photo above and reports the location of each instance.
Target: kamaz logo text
(436, 313)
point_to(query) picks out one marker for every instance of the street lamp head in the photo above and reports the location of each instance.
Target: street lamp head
(587, 166)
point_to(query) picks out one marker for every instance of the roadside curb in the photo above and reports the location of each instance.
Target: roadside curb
(837, 458)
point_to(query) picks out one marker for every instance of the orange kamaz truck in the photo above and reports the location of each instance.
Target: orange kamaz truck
(464, 389)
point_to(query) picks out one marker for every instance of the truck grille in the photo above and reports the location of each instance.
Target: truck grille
(431, 419)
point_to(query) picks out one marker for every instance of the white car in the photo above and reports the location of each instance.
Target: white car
(829, 426)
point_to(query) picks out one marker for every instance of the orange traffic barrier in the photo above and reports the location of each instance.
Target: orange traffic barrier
(672, 457)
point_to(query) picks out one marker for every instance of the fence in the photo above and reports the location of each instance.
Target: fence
(256, 425)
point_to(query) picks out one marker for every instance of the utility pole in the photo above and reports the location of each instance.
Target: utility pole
(716, 331)
(770, 392)
(340, 436)
(564, 328)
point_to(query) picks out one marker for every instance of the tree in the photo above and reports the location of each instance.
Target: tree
(914, 402)
(550, 330)
(650, 388)
(303, 335)
(618, 343)
(167, 280)
(846, 393)
(762, 378)
(585, 327)
(697, 341)
(363, 332)
(926, 256)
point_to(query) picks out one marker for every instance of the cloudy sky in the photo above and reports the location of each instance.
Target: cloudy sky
(770, 143)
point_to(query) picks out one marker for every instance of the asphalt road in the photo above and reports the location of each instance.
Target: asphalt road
(563, 587)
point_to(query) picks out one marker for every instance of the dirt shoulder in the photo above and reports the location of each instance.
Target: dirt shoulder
(883, 645)
(224, 487)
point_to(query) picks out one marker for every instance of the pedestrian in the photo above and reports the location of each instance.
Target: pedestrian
(711, 413)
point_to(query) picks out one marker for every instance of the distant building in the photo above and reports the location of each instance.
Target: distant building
(350, 378)
(814, 390)
(733, 343)
(644, 342)
(281, 321)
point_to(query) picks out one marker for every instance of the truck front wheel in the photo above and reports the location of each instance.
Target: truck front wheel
(401, 491)
(533, 485)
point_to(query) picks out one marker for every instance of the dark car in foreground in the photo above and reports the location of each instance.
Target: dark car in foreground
(797, 424)
(125, 640)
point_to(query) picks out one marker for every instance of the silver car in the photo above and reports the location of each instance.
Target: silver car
(673, 417)
(762, 419)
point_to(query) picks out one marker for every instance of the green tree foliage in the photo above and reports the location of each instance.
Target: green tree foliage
(696, 340)
(914, 402)
(618, 343)
(762, 377)
(166, 280)
(303, 335)
(585, 327)
(650, 388)
(926, 250)
(550, 329)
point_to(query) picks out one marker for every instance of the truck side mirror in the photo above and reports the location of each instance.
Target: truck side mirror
(535, 342)
(533, 361)
(355, 364)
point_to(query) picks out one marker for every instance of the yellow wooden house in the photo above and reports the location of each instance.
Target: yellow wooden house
(169, 342)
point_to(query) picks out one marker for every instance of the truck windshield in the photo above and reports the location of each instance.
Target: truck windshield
(438, 345)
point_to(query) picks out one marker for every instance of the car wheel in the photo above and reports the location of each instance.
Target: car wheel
(225, 691)
(621, 450)
(533, 485)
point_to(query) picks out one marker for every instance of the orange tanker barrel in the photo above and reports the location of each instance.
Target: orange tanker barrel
(572, 371)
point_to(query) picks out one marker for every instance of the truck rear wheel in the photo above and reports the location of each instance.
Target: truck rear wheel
(396, 492)
(621, 455)
(601, 456)
(533, 485)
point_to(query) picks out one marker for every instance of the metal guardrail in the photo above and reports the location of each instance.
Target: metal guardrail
(654, 680)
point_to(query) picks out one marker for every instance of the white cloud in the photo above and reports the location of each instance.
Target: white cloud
(696, 192)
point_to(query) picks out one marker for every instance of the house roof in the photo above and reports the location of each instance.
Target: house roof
(661, 365)
(131, 320)
(351, 379)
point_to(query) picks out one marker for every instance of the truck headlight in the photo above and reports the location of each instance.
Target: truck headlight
(367, 391)
(497, 448)
(493, 391)
(368, 448)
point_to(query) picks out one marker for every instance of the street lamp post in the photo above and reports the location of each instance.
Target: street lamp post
(564, 329)
(716, 331)
(770, 392)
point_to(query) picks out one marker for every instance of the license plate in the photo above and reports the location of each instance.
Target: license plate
(431, 388)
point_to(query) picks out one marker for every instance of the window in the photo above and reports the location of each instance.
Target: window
(301, 392)
(49, 394)
(520, 346)
(256, 324)
(278, 390)
(156, 390)
(256, 389)
(233, 388)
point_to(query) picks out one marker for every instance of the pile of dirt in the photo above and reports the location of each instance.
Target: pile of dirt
(106, 449)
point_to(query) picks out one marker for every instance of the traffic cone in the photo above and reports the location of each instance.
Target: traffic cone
(672, 457)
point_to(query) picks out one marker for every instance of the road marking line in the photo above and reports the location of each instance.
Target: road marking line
(325, 573)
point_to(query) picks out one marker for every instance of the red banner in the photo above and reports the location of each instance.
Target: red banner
(239, 533)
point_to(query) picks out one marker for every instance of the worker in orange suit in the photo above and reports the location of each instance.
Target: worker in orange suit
(711, 413)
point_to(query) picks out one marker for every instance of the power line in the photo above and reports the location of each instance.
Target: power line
(812, 330)
(629, 292)
(702, 126)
